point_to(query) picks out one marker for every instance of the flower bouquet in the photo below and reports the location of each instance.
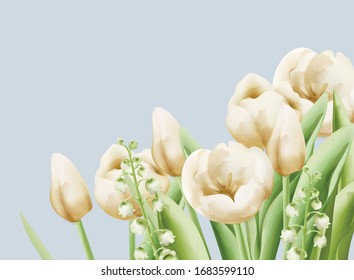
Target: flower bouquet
(272, 184)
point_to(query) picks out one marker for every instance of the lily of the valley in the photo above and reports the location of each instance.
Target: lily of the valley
(321, 221)
(109, 197)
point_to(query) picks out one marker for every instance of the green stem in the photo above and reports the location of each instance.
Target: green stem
(316, 253)
(131, 242)
(141, 202)
(286, 199)
(240, 241)
(304, 228)
(84, 240)
(194, 219)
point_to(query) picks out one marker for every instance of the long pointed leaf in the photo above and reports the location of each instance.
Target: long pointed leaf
(226, 241)
(36, 242)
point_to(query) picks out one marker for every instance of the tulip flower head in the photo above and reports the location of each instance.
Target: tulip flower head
(166, 147)
(229, 183)
(311, 75)
(69, 194)
(268, 116)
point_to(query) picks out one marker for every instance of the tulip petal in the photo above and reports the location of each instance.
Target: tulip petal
(286, 147)
(250, 86)
(242, 127)
(166, 148)
(227, 184)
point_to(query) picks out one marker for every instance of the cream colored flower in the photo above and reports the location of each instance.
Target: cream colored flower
(268, 116)
(319, 241)
(166, 147)
(229, 183)
(311, 74)
(108, 197)
(288, 234)
(69, 194)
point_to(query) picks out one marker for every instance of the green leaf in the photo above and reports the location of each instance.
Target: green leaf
(340, 114)
(343, 216)
(174, 192)
(272, 225)
(253, 238)
(226, 241)
(36, 242)
(188, 143)
(188, 243)
(312, 122)
(325, 160)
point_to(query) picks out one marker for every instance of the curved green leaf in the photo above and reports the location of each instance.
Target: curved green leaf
(312, 122)
(343, 216)
(36, 242)
(227, 242)
(188, 243)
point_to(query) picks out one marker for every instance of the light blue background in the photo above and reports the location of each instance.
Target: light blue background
(76, 75)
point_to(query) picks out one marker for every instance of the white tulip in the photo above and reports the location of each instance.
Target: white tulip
(229, 183)
(268, 116)
(311, 75)
(69, 194)
(166, 147)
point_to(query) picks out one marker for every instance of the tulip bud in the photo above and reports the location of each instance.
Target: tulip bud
(165, 237)
(166, 147)
(69, 194)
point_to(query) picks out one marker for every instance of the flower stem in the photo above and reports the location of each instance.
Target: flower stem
(141, 202)
(316, 253)
(131, 242)
(304, 228)
(286, 199)
(84, 240)
(240, 241)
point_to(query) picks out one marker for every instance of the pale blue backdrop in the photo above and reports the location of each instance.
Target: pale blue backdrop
(76, 75)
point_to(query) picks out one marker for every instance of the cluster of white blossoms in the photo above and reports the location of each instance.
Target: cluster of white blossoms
(309, 197)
